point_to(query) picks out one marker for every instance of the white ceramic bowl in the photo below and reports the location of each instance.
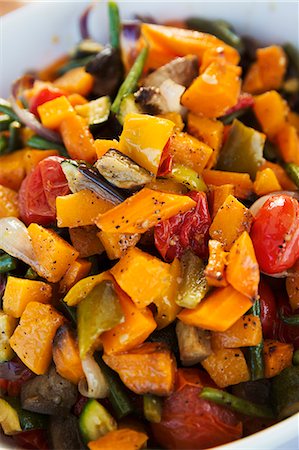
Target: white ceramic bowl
(35, 35)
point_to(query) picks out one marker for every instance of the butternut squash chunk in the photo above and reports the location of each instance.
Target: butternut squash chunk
(253, 83)
(80, 208)
(147, 369)
(272, 64)
(54, 255)
(241, 181)
(227, 367)
(242, 270)
(143, 139)
(219, 195)
(246, 332)
(266, 182)
(285, 182)
(66, 355)
(138, 325)
(33, 157)
(219, 311)
(189, 151)
(78, 139)
(124, 439)
(116, 244)
(32, 339)
(277, 356)
(215, 269)
(215, 91)
(19, 292)
(12, 170)
(86, 241)
(209, 131)
(103, 145)
(75, 81)
(271, 111)
(78, 270)
(288, 143)
(176, 118)
(9, 206)
(53, 112)
(231, 220)
(76, 99)
(142, 211)
(293, 119)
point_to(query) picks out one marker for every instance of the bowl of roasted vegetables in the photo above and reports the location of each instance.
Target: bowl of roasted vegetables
(149, 240)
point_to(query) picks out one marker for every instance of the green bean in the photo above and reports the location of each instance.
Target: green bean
(3, 144)
(219, 29)
(152, 408)
(256, 356)
(293, 55)
(15, 140)
(5, 107)
(292, 170)
(296, 358)
(130, 83)
(5, 121)
(235, 403)
(229, 118)
(290, 320)
(43, 144)
(7, 263)
(114, 24)
(118, 397)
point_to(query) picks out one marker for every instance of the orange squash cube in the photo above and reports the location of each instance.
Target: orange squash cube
(52, 113)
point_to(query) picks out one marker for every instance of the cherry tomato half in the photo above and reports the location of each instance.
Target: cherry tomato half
(191, 422)
(44, 95)
(189, 230)
(275, 234)
(38, 192)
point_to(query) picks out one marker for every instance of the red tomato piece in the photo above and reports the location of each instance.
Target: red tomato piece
(189, 230)
(44, 95)
(34, 439)
(191, 422)
(166, 161)
(275, 234)
(245, 101)
(38, 192)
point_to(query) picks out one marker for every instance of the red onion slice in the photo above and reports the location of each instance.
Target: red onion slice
(83, 23)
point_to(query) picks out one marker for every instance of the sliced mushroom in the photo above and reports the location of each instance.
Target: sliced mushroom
(64, 433)
(121, 171)
(194, 343)
(180, 70)
(48, 394)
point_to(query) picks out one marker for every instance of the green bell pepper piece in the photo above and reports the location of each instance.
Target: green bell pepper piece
(184, 175)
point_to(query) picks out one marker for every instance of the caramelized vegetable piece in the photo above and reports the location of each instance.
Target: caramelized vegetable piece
(176, 118)
(226, 367)
(246, 332)
(193, 286)
(209, 131)
(143, 139)
(288, 143)
(78, 139)
(138, 325)
(166, 185)
(19, 292)
(242, 270)
(190, 152)
(188, 177)
(215, 269)
(147, 369)
(252, 83)
(219, 195)
(142, 211)
(277, 356)
(66, 355)
(124, 438)
(285, 182)
(217, 312)
(99, 311)
(33, 157)
(215, 91)
(230, 221)
(78, 270)
(32, 339)
(75, 81)
(54, 255)
(241, 181)
(12, 170)
(293, 119)
(194, 343)
(81, 289)
(292, 286)
(182, 42)
(266, 182)
(86, 241)
(70, 212)
(52, 113)
(116, 244)
(8, 202)
(272, 64)
(271, 111)
(103, 145)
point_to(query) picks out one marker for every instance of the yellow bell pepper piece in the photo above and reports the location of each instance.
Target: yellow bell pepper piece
(52, 113)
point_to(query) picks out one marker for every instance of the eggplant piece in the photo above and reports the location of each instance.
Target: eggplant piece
(64, 433)
(194, 343)
(181, 70)
(257, 391)
(121, 171)
(151, 100)
(48, 394)
(107, 70)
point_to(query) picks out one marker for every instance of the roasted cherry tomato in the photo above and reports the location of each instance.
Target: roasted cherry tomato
(189, 230)
(275, 234)
(191, 422)
(44, 95)
(39, 190)
(35, 440)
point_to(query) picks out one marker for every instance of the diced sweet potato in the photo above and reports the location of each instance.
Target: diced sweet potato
(78, 270)
(215, 269)
(277, 356)
(8, 202)
(266, 182)
(124, 439)
(246, 332)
